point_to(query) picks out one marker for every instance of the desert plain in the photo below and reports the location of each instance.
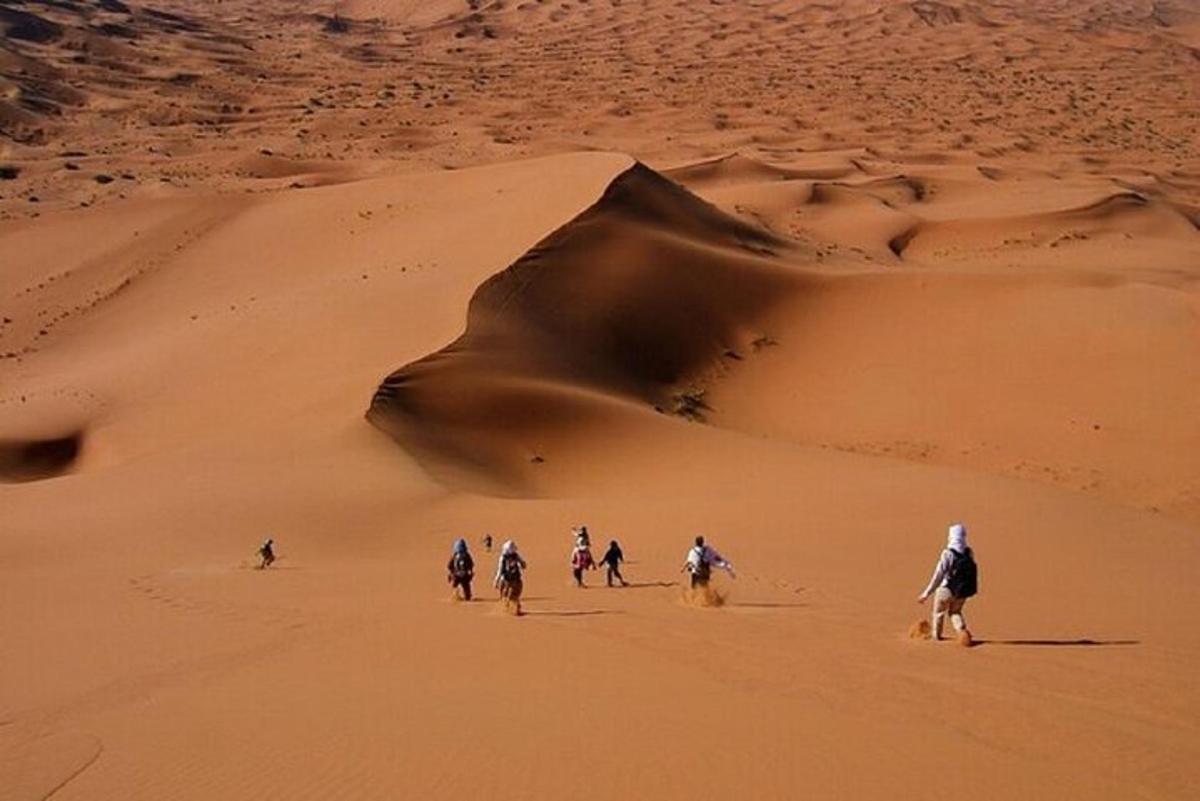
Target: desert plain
(814, 280)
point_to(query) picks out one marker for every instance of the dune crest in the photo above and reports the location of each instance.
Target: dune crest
(637, 296)
(654, 305)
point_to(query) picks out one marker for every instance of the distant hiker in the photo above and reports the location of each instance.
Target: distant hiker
(487, 542)
(612, 560)
(460, 570)
(955, 579)
(701, 559)
(509, 578)
(582, 538)
(266, 554)
(581, 560)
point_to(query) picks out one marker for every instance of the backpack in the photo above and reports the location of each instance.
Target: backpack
(462, 565)
(962, 579)
(510, 568)
(701, 569)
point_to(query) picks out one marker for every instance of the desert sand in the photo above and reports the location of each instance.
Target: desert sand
(812, 279)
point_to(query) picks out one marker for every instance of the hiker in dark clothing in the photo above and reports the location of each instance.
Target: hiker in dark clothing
(612, 560)
(460, 570)
(266, 554)
(509, 576)
(955, 579)
(487, 542)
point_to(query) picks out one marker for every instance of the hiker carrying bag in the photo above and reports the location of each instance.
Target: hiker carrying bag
(511, 568)
(963, 577)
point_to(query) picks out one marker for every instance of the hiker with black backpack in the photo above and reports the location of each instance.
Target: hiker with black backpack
(460, 570)
(612, 560)
(509, 578)
(955, 579)
(701, 559)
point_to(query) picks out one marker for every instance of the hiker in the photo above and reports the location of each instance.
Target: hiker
(508, 575)
(487, 542)
(582, 538)
(612, 560)
(955, 579)
(701, 559)
(460, 570)
(266, 554)
(581, 560)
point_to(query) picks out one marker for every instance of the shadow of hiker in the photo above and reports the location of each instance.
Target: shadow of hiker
(765, 605)
(571, 613)
(641, 585)
(1080, 643)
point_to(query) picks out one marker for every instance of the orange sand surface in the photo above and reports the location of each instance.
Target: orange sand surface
(812, 279)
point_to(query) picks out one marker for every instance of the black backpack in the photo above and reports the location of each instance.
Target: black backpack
(963, 577)
(462, 565)
(511, 567)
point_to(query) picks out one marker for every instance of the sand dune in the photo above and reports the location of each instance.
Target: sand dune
(653, 297)
(633, 298)
(813, 279)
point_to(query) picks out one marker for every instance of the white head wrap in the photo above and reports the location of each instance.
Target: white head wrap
(956, 538)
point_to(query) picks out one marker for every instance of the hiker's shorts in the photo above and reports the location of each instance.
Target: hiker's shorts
(946, 603)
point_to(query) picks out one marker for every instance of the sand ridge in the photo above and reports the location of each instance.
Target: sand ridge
(154, 100)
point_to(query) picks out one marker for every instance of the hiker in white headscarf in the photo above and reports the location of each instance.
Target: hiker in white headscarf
(509, 579)
(954, 580)
(701, 559)
(582, 538)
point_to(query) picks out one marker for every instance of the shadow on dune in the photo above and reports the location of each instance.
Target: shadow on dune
(766, 605)
(571, 613)
(625, 306)
(33, 460)
(1080, 643)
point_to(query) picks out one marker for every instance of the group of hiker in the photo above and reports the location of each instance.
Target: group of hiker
(510, 567)
(955, 576)
(582, 559)
(460, 571)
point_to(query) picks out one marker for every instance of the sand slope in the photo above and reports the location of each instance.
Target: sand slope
(299, 669)
(812, 279)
